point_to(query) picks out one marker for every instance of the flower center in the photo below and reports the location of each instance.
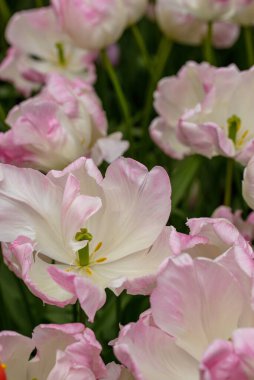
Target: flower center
(60, 54)
(84, 255)
(234, 126)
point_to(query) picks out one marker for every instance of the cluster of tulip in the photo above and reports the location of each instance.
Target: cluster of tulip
(70, 231)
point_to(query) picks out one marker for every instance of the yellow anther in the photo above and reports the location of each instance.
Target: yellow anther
(101, 260)
(88, 271)
(242, 138)
(98, 246)
(4, 366)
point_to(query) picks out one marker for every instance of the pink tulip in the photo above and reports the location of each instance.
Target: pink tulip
(74, 233)
(92, 25)
(64, 122)
(39, 47)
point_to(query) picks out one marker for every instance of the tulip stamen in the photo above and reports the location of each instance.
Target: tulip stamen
(101, 260)
(241, 140)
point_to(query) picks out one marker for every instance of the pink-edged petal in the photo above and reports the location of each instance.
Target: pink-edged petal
(12, 68)
(166, 138)
(248, 184)
(221, 363)
(230, 360)
(149, 353)
(219, 232)
(91, 296)
(244, 349)
(77, 208)
(225, 34)
(246, 153)
(206, 138)
(26, 28)
(66, 369)
(28, 201)
(109, 148)
(49, 339)
(137, 272)
(137, 207)
(85, 171)
(19, 256)
(117, 372)
(15, 351)
(84, 353)
(196, 301)
(47, 289)
(180, 242)
(179, 25)
(174, 95)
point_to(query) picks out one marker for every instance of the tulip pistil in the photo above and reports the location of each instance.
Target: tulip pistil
(60, 53)
(83, 253)
(234, 124)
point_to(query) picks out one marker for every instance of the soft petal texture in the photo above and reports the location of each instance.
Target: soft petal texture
(248, 184)
(191, 84)
(13, 69)
(135, 348)
(221, 363)
(199, 118)
(184, 27)
(68, 351)
(195, 302)
(92, 25)
(50, 130)
(81, 358)
(136, 273)
(117, 372)
(109, 148)
(12, 343)
(225, 34)
(135, 9)
(205, 128)
(207, 10)
(230, 360)
(36, 37)
(246, 227)
(125, 214)
(188, 296)
(91, 296)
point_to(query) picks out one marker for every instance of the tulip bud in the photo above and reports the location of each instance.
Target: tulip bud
(92, 24)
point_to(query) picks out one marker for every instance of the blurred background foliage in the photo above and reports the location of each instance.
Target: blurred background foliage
(197, 182)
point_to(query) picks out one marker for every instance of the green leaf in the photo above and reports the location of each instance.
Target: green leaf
(182, 178)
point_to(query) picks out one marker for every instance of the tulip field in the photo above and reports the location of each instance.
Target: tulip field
(126, 189)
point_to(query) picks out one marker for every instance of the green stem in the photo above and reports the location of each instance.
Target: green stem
(79, 314)
(119, 93)
(208, 51)
(3, 325)
(162, 55)
(248, 38)
(229, 181)
(3, 125)
(142, 47)
(4, 11)
(39, 3)
(118, 313)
